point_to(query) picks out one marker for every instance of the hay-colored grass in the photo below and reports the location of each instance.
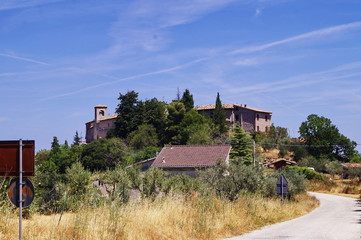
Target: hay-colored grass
(175, 217)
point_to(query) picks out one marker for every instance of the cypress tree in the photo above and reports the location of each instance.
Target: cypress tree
(219, 115)
(187, 100)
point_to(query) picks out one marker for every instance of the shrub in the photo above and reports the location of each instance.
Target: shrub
(181, 183)
(230, 181)
(295, 179)
(309, 173)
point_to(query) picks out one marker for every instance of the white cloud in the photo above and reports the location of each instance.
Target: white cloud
(317, 33)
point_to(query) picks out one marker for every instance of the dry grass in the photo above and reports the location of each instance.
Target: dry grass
(342, 187)
(174, 217)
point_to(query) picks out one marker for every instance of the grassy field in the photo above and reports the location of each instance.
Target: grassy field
(175, 217)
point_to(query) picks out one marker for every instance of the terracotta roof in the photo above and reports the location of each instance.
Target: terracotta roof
(230, 106)
(192, 155)
(351, 165)
(101, 106)
(106, 118)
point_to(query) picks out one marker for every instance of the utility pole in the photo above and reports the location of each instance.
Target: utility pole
(254, 153)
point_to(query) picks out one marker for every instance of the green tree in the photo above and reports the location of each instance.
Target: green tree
(324, 139)
(55, 146)
(195, 129)
(241, 142)
(176, 112)
(103, 154)
(219, 116)
(187, 100)
(130, 114)
(77, 139)
(156, 115)
(144, 136)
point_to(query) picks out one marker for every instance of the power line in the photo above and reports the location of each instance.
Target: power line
(308, 146)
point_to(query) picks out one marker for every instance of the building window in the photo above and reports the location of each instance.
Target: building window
(237, 117)
(266, 127)
(257, 117)
(101, 113)
(266, 117)
(257, 128)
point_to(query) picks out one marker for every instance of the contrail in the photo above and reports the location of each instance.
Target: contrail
(128, 78)
(24, 59)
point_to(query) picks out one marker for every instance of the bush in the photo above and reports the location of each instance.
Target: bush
(230, 181)
(181, 183)
(308, 173)
(295, 179)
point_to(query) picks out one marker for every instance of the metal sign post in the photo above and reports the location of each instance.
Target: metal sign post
(20, 189)
(17, 160)
(282, 187)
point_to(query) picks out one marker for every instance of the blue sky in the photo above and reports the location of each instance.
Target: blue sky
(58, 59)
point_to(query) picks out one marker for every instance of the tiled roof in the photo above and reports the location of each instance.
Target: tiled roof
(101, 106)
(106, 118)
(192, 155)
(230, 106)
(351, 165)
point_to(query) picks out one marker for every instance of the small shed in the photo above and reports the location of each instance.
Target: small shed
(280, 163)
(187, 159)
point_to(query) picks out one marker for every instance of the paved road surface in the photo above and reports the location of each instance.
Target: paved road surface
(337, 218)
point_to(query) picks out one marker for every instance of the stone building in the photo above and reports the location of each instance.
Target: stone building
(250, 119)
(99, 127)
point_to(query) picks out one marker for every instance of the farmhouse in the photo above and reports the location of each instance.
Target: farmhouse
(250, 119)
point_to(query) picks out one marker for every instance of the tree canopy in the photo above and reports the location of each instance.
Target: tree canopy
(324, 139)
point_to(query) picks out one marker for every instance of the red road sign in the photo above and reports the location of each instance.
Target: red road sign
(9, 158)
(27, 192)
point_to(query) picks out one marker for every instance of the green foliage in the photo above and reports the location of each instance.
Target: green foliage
(77, 179)
(55, 146)
(48, 191)
(273, 138)
(324, 139)
(118, 183)
(130, 114)
(103, 154)
(181, 183)
(195, 129)
(152, 182)
(143, 154)
(144, 136)
(176, 112)
(42, 156)
(308, 173)
(187, 100)
(355, 172)
(318, 164)
(199, 134)
(241, 142)
(155, 114)
(77, 139)
(219, 116)
(230, 181)
(334, 167)
(295, 179)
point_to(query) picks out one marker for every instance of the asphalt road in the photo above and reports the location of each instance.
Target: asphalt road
(337, 218)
